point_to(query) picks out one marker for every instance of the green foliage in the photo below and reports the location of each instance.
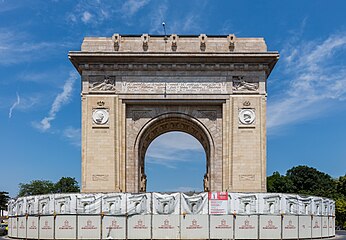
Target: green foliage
(340, 212)
(66, 185)
(36, 187)
(3, 201)
(278, 183)
(308, 180)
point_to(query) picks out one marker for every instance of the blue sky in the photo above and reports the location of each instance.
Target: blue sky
(40, 89)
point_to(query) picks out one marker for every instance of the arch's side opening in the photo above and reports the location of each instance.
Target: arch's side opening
(175, 161)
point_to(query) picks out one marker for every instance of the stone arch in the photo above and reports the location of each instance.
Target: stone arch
(169, 122)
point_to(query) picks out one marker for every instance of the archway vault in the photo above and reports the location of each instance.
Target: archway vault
(167, 123)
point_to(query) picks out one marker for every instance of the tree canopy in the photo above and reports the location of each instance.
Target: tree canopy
(310, 181)
(36, 187)
(3, 201)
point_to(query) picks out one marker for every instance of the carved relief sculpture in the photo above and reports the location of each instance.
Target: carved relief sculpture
(106, 85)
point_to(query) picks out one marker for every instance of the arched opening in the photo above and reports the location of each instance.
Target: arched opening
(172, 122)
(175, 161)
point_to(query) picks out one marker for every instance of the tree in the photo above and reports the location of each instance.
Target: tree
(341, 185)
(36, 187)
(308, 180)
(66, 185)
(278, 183)
(340, 212)
(3, 202)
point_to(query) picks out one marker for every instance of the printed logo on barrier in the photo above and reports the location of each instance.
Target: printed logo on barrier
(140, 225)
(325, 224)
(166, 225)
(270, 225)
(89, 225)
(21, 225)
(290, 225)
(316, 225)
(33, 226)
(246, 225)
(46, 226)
(114, 225)
(14, 225)
(223, 225)
(194, 225)
(66, 226)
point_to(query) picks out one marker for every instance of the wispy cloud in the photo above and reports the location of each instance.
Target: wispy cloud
(315, 76)
(73, 135)
(61, 99)
(14, 105)
(130, 7)
(86, 16)
(173, 148)
(14, 44)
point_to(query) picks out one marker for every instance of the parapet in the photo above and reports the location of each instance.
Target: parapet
(174, 44)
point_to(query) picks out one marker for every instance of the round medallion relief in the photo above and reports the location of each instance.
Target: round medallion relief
(247, 116)
(100, 116)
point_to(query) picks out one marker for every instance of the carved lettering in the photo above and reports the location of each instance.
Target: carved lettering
(100, 177)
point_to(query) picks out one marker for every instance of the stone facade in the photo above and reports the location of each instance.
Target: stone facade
(135, 88)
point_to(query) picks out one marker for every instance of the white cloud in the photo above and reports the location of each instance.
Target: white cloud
(173, 148)
(315, 78)
(86, 17)
(73, 135)
(14, 105)
(130, 7)
(14, 44)
(61, 99)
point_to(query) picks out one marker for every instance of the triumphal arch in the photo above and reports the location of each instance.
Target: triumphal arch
(137, 87)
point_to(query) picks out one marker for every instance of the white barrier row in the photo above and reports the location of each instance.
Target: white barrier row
(171, 227)
(213, 215)
(172, 203)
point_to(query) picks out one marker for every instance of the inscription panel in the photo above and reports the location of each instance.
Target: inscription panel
(176, 85)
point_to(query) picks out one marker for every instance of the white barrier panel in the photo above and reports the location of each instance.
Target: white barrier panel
(32, 205)
(88, 203)
(32, 227)
(46, 204)
(14, 227)
(21, 206)
(114, 204)
(139, 227)
(269, 203)
(113, 227)
(21, 227)
(290, 227)
(46, 230)
(218, 203)
(324, 227)
(166, 203)
(138, 203)
(9, 233)
(194, 226)
(11, 207)
(304, 205)
(221, 226)
(166, 227)
(194, 204)
(289, 204)
(316, 226)
(331, 225)
(246, 203)
(270, 227)
(304, 226)
(65, 203)
(65, 227)
(246, 227)
(89, 227)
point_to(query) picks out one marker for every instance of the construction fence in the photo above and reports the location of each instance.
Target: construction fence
(213, 215)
